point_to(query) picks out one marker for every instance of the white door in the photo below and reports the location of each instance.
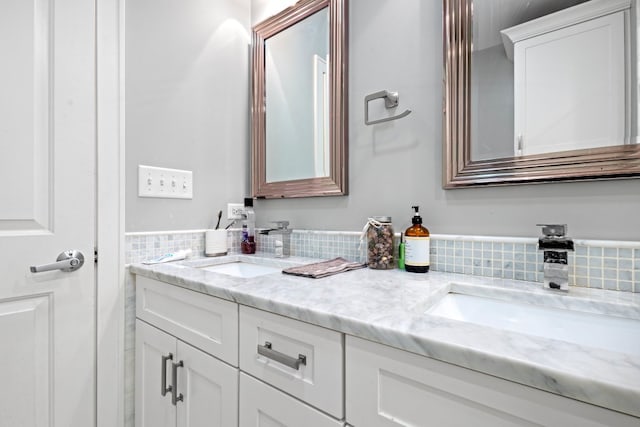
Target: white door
(47, 206)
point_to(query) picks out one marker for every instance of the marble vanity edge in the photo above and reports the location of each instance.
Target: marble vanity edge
(589, 389)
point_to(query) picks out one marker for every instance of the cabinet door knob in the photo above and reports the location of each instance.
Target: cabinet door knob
(163, 375)
(266, 351)
(175, 397)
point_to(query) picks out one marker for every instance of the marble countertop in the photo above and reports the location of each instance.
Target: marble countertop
(388, 306)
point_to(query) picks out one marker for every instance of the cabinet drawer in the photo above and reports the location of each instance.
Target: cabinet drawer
(390, 387)
(319, 381)
(206, 322)
(263, 405)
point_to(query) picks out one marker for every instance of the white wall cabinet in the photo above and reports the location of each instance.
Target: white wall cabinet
(390, 387)
(571, 78)
(204, 387)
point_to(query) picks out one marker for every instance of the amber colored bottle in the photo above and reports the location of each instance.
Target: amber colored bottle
(416, 249)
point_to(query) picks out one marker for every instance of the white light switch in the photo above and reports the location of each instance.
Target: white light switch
(164, 183)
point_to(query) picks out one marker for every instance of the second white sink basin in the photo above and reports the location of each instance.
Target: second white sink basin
(242, 269)
(590, 329)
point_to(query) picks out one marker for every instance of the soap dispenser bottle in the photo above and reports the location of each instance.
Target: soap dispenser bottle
(416, 245)
(248, 243)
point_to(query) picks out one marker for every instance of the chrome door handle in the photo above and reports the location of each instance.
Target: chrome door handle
(175, 397)
(266, 351)
(163, 376)
(66, 261)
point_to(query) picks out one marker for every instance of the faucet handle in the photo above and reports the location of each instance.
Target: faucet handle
(553, 230)
(281, 225)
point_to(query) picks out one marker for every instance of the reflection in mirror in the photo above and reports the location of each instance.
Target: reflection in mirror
(547, 76)
(540, 90)
(296, 94)
(299, 102)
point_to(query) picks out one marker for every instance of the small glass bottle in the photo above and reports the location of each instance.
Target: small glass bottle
(416, 249)
(380, 243)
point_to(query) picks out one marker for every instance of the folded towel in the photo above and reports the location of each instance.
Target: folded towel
(323, 269)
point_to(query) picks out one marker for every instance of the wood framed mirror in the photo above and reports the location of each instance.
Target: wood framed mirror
(470, 40)
(299, 102)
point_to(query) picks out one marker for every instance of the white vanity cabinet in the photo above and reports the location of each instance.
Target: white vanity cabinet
(391, 387)
(231, 365)
(178, 381)
(293, 372)
(205, 388)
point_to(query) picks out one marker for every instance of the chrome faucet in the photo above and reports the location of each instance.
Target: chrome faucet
(555, 245)
(283, 246)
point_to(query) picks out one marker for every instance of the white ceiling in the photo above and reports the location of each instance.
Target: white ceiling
(491, 16)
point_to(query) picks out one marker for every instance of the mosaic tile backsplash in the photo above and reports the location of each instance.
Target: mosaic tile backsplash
(596, 264)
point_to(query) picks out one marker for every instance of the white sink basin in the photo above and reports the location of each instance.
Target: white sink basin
(242, 269)
(590, 329)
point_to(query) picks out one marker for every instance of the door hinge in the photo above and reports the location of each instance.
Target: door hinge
(95, 255)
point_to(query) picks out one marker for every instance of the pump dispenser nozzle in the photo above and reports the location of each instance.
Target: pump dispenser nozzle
(417, 219)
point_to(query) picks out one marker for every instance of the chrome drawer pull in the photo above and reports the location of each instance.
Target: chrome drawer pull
(163, 375)
(175, 397)
(266, 351)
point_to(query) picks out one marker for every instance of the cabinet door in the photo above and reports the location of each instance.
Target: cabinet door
(570, 87)
(209, 390)
(390, 387)
(264, 406)
(153, 409)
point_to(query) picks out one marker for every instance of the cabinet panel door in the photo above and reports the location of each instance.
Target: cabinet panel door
(206, 322)
(319, 381)
(209, 388)
(570, 87)
(153, 409)
(390, 387)
(264, 406)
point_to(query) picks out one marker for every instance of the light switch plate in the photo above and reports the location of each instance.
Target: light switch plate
(164, 183)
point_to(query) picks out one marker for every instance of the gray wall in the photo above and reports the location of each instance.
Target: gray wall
(396, 45)
(187, 92)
